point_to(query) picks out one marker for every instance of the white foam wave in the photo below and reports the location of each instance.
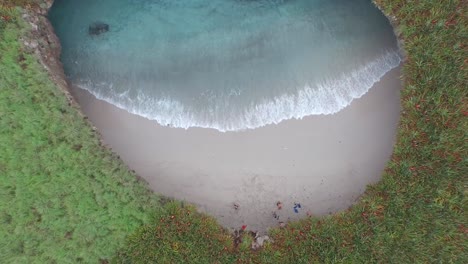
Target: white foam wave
(326, 97)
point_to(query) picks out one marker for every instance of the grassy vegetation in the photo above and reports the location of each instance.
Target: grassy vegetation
(64, 198)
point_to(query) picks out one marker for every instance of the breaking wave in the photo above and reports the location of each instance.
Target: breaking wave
(325, 97)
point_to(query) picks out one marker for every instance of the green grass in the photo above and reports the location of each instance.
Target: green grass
(182, 236)
(64, 198)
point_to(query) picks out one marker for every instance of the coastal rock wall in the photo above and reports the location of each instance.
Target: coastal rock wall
(396, 29)
(42, 41)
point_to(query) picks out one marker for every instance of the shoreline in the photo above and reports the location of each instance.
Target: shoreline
(308, 101)
(323, 162)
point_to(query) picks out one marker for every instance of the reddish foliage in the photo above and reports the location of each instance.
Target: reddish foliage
(5, 18)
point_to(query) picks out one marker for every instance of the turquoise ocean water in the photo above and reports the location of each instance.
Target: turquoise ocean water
(225, 64)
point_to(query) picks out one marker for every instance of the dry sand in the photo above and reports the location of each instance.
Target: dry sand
(322, 162)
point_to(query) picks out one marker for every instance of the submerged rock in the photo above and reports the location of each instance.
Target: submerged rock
(98, 28)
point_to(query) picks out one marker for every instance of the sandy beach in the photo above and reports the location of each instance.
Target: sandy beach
(321, 162)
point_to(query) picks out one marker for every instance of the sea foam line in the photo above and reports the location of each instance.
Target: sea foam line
(324, 98)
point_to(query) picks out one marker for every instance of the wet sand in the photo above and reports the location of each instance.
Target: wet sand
(322, 162)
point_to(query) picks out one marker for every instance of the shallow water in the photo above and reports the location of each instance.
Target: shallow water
(226, 64)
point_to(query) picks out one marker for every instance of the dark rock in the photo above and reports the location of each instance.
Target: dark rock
(98, 28)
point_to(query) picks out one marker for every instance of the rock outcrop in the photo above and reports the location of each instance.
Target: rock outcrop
(97, 28)
(42, 41)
